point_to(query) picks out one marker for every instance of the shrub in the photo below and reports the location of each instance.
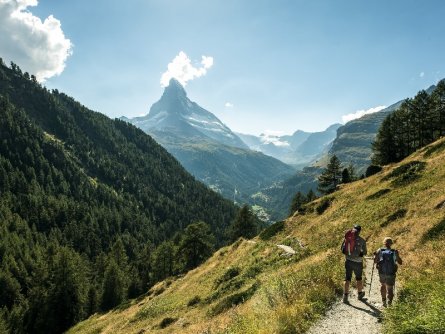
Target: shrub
(378, 194)
(228, 275)
(396, 215)
(167, 322)
(406, 173)
(434, 149)
(325, 203)
(194, 301)
(226, 287)
(272, 230)
(436, 231)
(372, 169)
(233, 300)
(253, 271)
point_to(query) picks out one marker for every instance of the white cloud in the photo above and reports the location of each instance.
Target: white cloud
(360, 113)
(181, 69)
(273, 137)
(39, 48)
(422, 74)
(229, 105)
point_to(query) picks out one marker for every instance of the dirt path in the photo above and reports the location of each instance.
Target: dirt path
(356, 317)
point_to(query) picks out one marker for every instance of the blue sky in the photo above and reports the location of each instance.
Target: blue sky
(277, 65)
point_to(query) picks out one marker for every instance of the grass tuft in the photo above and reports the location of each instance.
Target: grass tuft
(378, 194)
(194, 301)
(167, 322)
(393, 217)
(436, 148)
(420, 308)
(230, 273)
(406, 173)
(233, 300)
(436, 231)
(272, 230)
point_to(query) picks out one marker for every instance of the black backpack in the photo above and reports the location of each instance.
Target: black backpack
(387, 264)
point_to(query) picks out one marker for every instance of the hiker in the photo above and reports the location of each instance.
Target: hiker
(354, 248)
(387, 260)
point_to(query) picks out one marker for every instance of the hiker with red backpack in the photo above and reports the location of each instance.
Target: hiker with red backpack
(354, 248)
(387, 260)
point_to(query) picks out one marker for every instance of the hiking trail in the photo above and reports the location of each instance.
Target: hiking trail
(362, 317)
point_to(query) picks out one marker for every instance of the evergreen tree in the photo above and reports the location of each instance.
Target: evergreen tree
(197, 244)
(345, 176)
(68, 294)
(245, 225)
(163, 261)
(438, 109)
(114, 290)
(330, 177)
(384, 146)
(297, 202)
(310, 196)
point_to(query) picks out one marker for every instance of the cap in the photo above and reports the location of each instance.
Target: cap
(358, 228)
(388, 240)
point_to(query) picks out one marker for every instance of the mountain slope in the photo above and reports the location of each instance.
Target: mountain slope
(175, 113)
(114, 153)
(85, 202)
(286, 294)
(207, 148)
(353, 143)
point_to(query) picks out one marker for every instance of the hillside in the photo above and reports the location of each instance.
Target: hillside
(252, 286)
(353, 143)
(93, 195)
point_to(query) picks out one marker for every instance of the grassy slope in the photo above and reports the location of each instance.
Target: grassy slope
(278, 294)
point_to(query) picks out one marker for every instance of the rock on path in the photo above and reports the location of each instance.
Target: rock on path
(356, 317)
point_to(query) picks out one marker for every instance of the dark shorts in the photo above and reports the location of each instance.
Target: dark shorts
(356, 267)
(389, 280)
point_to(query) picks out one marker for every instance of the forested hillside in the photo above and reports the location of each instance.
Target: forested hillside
(87, 208)
(254, 286)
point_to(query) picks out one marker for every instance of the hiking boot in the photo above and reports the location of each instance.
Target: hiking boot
(345, 298)
(361, 294)
(384, 302)
(389, 303)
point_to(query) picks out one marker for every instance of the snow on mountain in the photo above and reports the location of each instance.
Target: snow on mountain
(175, 113)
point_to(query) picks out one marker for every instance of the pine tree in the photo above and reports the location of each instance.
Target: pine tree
(244, 225)
(384, 146)
(345, 176)
(297, 202)
(330, 177)
(438, 107)
(114, 286)
(163, 260)
(310, 196)
(68, 294)
(197, 244)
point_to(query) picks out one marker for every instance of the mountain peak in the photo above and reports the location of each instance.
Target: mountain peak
(175, 88)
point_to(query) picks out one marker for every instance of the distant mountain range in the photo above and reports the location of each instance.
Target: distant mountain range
(299, 149)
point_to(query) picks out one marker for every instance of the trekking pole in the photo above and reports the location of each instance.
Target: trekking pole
(372, 275)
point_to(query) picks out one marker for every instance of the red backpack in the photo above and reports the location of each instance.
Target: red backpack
(348, 244)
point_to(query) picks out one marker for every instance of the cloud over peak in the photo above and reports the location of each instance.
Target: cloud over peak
(359, 113)
(182, 69)
(37, 47)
